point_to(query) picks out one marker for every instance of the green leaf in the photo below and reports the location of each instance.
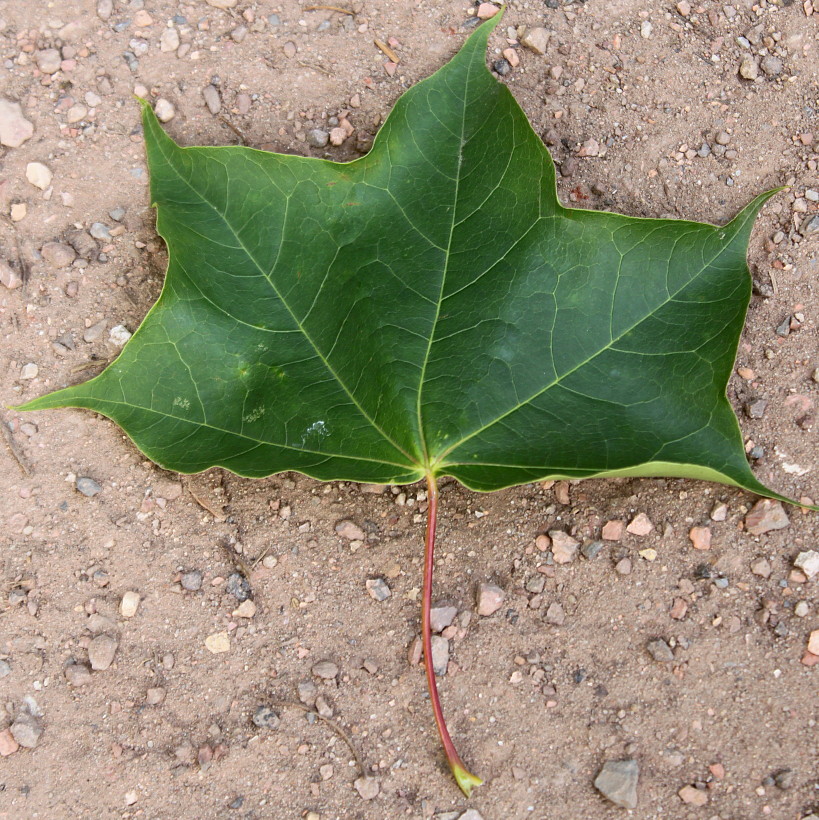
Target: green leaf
(429, 309)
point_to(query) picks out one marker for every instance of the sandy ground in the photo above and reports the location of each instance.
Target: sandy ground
(538, 697)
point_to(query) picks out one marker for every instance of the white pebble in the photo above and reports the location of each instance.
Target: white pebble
(119, 335)
(38, 175)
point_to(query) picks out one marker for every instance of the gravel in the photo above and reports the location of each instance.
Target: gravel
(87, 486)
(238, 586)
(26, 730)
(326, 670)
(660, 651)
(617, 781)
(490, 599)
(101, 652)
(15, 129)
(191, 580)
(266, 718)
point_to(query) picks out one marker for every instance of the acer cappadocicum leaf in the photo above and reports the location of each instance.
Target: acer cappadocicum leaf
(429, 309)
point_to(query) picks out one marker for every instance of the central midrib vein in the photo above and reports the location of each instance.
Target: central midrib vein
(444, 269)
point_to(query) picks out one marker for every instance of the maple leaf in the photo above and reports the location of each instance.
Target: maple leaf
(429, 309)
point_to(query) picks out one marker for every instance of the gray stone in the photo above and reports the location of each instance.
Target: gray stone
(591, 549)
(191, 580)
(440, 654)
(266, 718)
(87, 486)
(238, 586)
(213, 101)
(326, 670)
(15, 129)
(5, 669)
(378, 589)
(105, 8)
(99, 230)
(617, 781)
(810, 225)
(772, 66)
(660, 651)
(26, 730)
(117, 214)
(169, 40)
(555, 614)
(307, 692)
(9, 277)
(101, 652)
(317, 138)
(755, 408)
(440, 617)
(94, 333)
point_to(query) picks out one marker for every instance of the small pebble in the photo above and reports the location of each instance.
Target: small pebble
(766, 515)
(48, 60)
(772, 66)
(15, 129)
(646, 30)
(99, 230)
(700, 537)
(367, 787)
(58, 254)
(238, 586)
(440, 654)
(29, 371)
(326, 670)
(26, 730)
(555, 614)
(247, 609)
(617, 781)
(660, 651)
(169, 40)
(349, 530)
(536, 39)
(129, 604)
(640, 525)
(18, 211)
(5, 669)
(318, 138)
(748, 69)
(564, 547)
(487, 10)
(119, 335)
(164, 109)
(613, 530)
(761, 567)
(213, 101)
(693, 796)
(266, 718)
(38, 175)
(77, 674)
(101, 652)
(440, 617)
(191, 580)
(8, 745)
(218, 643)
(808, 562)
(337, 136)
(87, 486)
(490, 599)
(623, 566)
(155, 695)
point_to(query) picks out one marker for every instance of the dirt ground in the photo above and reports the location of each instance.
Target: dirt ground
(538, 697)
